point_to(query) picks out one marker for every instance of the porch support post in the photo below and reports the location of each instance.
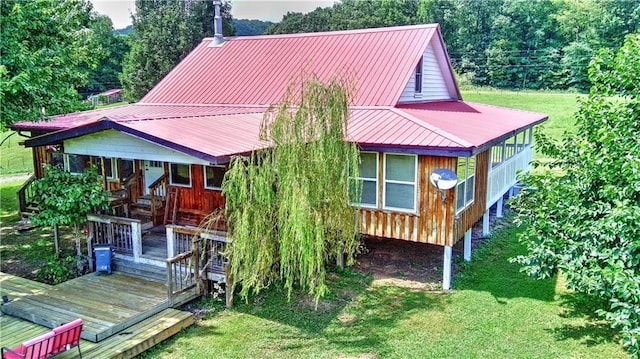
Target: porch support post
(467, 245)
(136, 234)
(485, 224)
(499, 207)
(170, 240)
(446, 271)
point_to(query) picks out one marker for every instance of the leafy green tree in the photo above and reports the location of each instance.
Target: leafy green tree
(65, 199)
(46, 47)
(288, 206)
(109, 54)
(246, 27)
(585, 219)
(165, 31)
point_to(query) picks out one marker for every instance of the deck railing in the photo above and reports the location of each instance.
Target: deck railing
(123, 234)
(26, 194)
(504, 176)
(158, 192)
(205, 251)
(132, 185)
(182, 274)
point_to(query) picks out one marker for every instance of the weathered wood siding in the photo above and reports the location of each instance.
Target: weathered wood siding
(433, 221)
(196, 202)
(40, 157)
(467, 218)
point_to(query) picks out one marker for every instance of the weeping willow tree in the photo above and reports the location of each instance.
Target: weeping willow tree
(287, 207)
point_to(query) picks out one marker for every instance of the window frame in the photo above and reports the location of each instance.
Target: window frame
(418, 77)
(468, 202)
(370, 179)
(204, 172)
(414, 183)
(180, 184)
(67, 163)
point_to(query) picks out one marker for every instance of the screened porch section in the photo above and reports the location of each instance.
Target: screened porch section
(508, 158)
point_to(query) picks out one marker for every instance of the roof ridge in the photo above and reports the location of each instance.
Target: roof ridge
(329, 33)
(439, 131)
(200, 104)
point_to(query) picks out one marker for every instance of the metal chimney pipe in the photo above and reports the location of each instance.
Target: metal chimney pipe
(217, 25)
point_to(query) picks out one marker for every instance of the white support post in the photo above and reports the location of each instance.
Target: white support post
(467, 246)
(446, 270)
(136, 234)
(499, 207)
(485, 224)
(170, 242)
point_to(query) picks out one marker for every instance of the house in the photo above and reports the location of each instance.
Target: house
(107, 97)
(407, 116)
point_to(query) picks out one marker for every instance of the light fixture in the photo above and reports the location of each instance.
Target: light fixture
(443, 179)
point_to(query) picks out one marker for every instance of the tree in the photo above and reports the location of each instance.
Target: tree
(287, 207)
(66, 199)
(585, 220)
(109, 55)
(165, 31)
(46, 47)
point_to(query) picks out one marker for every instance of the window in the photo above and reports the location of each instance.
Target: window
(180, 174)
(57, 160)
(109, 165)
(77, 163)
(127, 168)
(510, 147)
(213, 176)
(418, 79)
(520, 141)
(367, 182)
(528, 135)
(400, 181)
(466, 182)
(497, 155)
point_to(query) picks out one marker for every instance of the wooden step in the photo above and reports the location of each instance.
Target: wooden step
(146, 271)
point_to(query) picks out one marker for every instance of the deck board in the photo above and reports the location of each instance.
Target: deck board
(106, 303)
(131, 336)
(135, 340)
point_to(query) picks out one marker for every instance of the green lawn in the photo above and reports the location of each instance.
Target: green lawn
(14, 159)
(494, 312)
(559, 106)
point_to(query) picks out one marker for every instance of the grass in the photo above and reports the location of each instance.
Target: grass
(14, 158)
(494, 312)
(24, 253)
(559, 106)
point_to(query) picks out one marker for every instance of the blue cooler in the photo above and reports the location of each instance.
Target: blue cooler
(103, 258)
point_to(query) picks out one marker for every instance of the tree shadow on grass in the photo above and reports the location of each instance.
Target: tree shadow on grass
(592, 330)
(354, 318)
(491, 270)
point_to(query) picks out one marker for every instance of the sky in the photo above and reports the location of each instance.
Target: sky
(272, 10)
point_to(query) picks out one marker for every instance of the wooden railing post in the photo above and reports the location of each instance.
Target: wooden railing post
(169, 283)
(90, 245)
(170, 242)
(136, 238)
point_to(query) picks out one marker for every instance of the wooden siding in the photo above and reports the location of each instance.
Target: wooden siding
(434, 86)
(102, 144)
(468, 217)
(196, 202)
(40, 157)
(433, 222)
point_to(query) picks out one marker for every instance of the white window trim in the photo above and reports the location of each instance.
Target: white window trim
(418, 87)
(180, 184)
(414, 183)
(467, 204)
(67, 164)
(366, 205)
(204, 173)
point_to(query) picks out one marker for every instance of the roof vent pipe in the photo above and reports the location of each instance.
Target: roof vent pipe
(218, 40)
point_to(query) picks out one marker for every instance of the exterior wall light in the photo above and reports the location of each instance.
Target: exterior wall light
(443, 179)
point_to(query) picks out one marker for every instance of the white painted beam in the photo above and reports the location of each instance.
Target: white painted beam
(485, 224)
(467, 245)
(500, 207)
(446, 271)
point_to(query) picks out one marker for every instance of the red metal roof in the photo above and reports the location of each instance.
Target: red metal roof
(377, 63)
(476, 124)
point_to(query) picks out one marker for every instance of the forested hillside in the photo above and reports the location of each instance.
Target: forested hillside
(246, 27)
(533, 44)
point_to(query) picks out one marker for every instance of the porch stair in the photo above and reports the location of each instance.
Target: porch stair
(140, 270)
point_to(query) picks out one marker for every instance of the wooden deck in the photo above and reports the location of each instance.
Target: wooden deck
(107, 304)
(128, 343)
